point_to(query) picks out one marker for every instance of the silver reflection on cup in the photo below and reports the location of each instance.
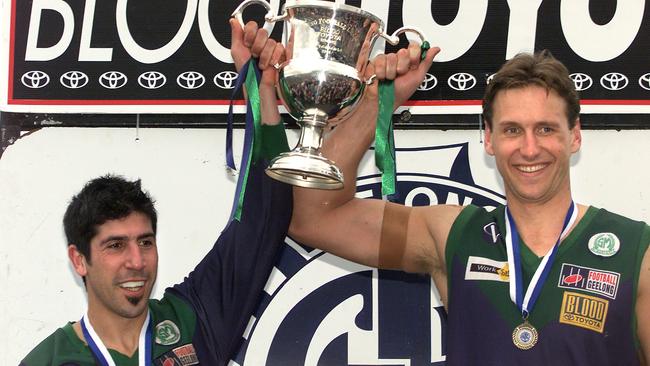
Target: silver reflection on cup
(328, 46)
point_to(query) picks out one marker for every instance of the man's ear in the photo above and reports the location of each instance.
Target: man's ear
(576, 137)
(488, 140)
(78, 260)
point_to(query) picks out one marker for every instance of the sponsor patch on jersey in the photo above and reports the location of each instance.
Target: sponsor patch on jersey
(584, 311)
(186, 354)
(167, 333)
(589, 279)
(180, 356)
(604, 244)
(479, 268)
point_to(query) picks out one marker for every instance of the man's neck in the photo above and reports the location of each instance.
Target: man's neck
(540, 224)
(116, 332)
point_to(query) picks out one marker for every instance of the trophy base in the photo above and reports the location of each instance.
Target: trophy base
(305, 170)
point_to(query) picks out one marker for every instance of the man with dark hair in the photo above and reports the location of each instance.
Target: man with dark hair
(111, 230)
(105, 198)
(558, 283)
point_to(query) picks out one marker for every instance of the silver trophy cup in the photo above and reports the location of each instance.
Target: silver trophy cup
(327, 46)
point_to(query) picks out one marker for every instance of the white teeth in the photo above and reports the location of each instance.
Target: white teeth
(530, 168)
(132, 284)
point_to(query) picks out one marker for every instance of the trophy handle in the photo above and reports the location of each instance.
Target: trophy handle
(394, 38)
(269, 18)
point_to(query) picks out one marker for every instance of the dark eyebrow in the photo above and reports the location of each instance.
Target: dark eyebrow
(549, 123)
(147, 236)
(123, 238)
(113, 238)
(509, 124)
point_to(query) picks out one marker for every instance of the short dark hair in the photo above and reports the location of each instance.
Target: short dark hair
(108, 197)
(541, 69)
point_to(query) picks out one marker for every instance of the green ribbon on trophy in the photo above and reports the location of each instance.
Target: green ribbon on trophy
(251, 84)
(252, 88)
(249, 77)
(385, 136)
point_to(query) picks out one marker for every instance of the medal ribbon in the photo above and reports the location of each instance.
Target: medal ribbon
(100, 351)
(384, 138)
(249, 76)
(526, 302)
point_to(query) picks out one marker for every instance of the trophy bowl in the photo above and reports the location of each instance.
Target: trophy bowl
(327, 47)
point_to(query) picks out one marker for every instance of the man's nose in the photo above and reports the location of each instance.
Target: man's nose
(135, 258)
(530, 145)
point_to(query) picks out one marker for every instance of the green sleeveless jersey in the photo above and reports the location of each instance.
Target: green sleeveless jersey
(174, 324)
(585, 313)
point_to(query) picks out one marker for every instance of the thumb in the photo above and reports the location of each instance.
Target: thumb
(425, 65)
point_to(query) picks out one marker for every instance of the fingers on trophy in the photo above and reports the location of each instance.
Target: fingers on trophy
(320, 82)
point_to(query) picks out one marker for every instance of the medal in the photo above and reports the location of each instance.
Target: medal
(525, 335)
(100, 351)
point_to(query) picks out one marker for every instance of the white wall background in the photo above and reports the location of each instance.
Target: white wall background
(185, 172)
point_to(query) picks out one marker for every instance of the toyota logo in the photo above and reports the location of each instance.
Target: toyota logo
(489, 79)
(225, 79)
(113, 80)
(74, 79)
(152, 80)
(581, 81)
(190, 80)
(428, 83)
(35, 79)
(613, 81)
(461, 81)
(644, 81)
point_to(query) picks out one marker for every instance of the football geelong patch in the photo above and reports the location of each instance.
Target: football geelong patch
(589, 279)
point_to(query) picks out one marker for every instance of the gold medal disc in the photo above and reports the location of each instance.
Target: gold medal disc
(524, 336)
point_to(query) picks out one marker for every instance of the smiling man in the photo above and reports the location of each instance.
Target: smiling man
(111, 232)
(124, 267)
(111, 228)
(561, 284)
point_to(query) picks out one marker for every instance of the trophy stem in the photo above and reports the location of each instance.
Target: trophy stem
(305, 166)
(311, 135)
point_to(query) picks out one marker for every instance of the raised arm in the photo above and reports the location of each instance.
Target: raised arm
(224, 289)
(368, 231)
